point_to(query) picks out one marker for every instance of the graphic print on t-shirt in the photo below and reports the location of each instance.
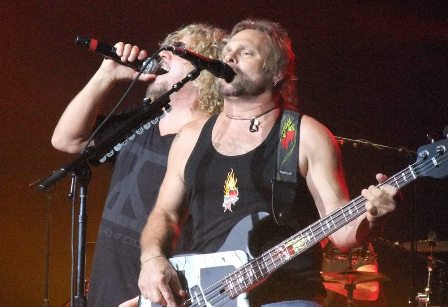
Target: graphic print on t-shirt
(230, 191)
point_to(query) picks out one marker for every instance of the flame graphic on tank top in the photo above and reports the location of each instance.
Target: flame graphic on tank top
(230, 191)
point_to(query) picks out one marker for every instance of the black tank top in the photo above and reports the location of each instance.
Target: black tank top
(222, 190)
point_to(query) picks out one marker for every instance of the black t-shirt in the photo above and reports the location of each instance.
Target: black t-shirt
(139, 169)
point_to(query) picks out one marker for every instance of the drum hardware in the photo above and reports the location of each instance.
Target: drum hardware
(355, 257)
(423, 299)
(431, 245)
(427, 246)
(349, 279)
(342, 271)
(434, 265)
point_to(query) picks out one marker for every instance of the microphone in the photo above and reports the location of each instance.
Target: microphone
(110, 52)
(217, 68)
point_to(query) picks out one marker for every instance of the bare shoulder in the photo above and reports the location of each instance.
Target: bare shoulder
(317, 144)
(314, 133)
(195, 125)
(191, 130)
(187, 138)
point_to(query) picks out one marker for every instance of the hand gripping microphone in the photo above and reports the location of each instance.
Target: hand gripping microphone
(217, 68)
(110, 52)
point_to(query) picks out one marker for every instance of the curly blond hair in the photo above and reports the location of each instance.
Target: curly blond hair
(281, 58)
(208, 41)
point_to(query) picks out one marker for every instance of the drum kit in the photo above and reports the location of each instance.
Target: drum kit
(354, 275)
(429, 247)
(350, 276)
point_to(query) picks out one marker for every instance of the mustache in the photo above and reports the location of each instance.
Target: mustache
(237, 70)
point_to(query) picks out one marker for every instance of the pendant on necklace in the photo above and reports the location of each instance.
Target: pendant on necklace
(254, 123)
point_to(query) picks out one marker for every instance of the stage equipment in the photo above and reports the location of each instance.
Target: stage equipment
(342, 271)
(426, 246)
(431, 245)
(349, 279)
(149, 66)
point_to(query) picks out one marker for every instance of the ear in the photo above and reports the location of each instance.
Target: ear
(277, 78)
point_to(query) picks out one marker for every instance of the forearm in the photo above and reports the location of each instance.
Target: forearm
(158, 236)
(380, 203)
(357, 232)
(158, 281)
(75, 125)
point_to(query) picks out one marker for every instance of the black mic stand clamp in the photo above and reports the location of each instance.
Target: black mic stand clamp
(81, 172)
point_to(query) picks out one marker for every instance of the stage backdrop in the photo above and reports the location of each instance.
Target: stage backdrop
(376, 72)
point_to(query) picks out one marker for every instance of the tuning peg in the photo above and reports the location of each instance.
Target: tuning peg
(441, 149)
(445, 132)
(424, 154)
(430, 137)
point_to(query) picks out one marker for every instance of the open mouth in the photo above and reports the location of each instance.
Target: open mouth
(162, 71)
(156, 66)
(163, 68)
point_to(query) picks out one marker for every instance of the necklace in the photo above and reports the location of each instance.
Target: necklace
(254, 122)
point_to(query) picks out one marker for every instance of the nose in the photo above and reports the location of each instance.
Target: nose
(165, 54)
(230, 57)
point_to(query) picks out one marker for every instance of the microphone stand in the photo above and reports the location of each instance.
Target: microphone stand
(48, 212)
(47, 231)
(81, 171)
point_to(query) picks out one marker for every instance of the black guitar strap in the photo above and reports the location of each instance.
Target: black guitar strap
(284, 183)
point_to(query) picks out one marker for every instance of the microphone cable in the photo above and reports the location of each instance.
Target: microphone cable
(123, 97)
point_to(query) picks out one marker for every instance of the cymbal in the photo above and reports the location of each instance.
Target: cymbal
(424, 246)
(352, 277)
(362, 290)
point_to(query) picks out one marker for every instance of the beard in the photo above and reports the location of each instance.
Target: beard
(155, 90)
(243, 86)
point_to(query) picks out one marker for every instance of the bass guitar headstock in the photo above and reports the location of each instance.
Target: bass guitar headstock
(431, 159)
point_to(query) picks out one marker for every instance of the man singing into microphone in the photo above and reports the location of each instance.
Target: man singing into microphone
(140, 165)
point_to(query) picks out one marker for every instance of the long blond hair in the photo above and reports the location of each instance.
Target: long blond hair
(208, 41)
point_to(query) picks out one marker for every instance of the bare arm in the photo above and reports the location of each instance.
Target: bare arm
(75, 125)
(158, 280)
(321, 165)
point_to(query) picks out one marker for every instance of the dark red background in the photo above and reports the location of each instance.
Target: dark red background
(368, 71)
